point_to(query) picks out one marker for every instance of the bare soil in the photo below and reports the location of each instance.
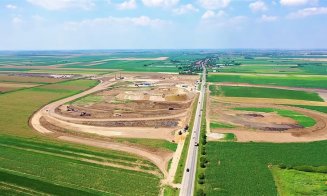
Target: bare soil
(265, 127)
(124, 111)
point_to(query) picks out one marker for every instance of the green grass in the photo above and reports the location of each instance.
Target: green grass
(290, 80)
(152, 143)
(229, 137)
(258, 92)
(243, 167)
(322, 109)
(181, 164)
(48, 164)
(88, 99)
(216, 125)
(301, 119)
(170, 191)
(295, 182)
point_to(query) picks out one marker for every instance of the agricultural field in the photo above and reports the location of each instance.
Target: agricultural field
(259, 92)
(246, 168)
(138, 119)
(277, 80)
(126, 115)
(36, 150)
(89, 62)
(303, 180)
(267, 117)
(42, 168)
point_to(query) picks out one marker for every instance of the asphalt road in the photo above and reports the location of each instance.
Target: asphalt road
(187, 186)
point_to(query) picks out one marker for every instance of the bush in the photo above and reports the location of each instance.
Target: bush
(304, 168)
(203, 159)
(200, 192)
(201, 176)
(204, 141)
(282, 166)
(202, 165)
(201, 181)
(203, 151)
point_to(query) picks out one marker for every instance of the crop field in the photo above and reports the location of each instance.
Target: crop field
(10, 86)
(17, 106)
(246, 166)
(81, 62)
(279, 80)
(243, 168)
(258, 92)
(143, 66)
(121, 137)
(72, 71)
(38, 80)
(291, 181)
(42, 168)
(279, 64)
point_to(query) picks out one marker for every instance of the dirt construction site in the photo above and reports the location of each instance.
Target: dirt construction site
(264, 126)
(137, 106)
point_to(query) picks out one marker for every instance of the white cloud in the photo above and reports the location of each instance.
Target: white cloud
(142, 21)
(63, 4)
(38, 18)
(209, 14)
(127, 5)
(266, 18)
(308, 12)
(183, 9)
(214, 4)
(296, 2)
(160, 3)
(11, 6)
(222, 19)
(258, 6)
(17, 21)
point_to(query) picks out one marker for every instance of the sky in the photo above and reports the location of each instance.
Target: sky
(162, 24)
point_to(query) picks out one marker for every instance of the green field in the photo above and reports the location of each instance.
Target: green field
(301, 119)
(215, 125)
(322, 109)
(279, 80)
(151, 143)
(279, 64)
(42, 168)
(296, 182)
(258, 92)
(18, 106)
(133, 66)
(242, 168)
